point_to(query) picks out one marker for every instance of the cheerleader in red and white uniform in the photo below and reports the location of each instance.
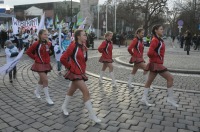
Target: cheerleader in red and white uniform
(40, 52)
(136, 49)
(156, 59)
(106, 50)
(74, 59)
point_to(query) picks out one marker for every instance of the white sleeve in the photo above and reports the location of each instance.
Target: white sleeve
(8, 53)
(16, 49)
(55, 48)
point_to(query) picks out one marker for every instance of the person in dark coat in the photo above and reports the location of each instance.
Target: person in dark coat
(188, 39)
(198, 43)
(182, 41)
(4, 37)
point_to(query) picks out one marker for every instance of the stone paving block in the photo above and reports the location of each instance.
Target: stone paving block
(168, 114)
(31, 130)
(191, 118)
(185, 121)
(151, 130)
(93, 129)
(112, 128)
(113, 123)
(49, 122)
(82, 126)
(158, 127)
(37, 125)
(183, 130)
(23, 127)
(193, 128)
(15, 123)
(144, 124)
(3, 125)
(45, 129)
(158, 117)
(9, 119)
(124, 130)
(29, 121)
(170, 129)
(180, 125)
(104, 131)
(57, 126)
(167, 123)
(137, 128)
(127, 116)
(153, 121)
(143, 119)
(132, 122)
(171, 119)
(179, 116)
(71, 124)
(8, 129)
(101, 126)
(68, 129)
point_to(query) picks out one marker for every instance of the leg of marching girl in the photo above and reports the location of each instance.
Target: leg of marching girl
(110, 66)
(43, 83)
(102, 72)
(80, 84)
(169, 78)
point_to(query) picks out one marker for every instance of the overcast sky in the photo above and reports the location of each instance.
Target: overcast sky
(11, 3)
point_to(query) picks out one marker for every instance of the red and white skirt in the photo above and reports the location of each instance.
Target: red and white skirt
(136, 60)
(154, 67)
(38, 67)
(73, 77)
(102, 60)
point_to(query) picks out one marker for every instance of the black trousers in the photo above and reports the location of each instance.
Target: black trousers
(12, 73)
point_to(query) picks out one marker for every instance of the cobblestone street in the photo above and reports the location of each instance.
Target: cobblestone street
(119, 108)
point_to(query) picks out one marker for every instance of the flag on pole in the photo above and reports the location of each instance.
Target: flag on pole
(9, 66)
(82, 26)
(42, 23)
(79, 19)
(57, 21)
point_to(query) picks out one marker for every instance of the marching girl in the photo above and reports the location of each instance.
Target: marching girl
(39, 51)
(74, 59)
(155, 66)
(106, 50)
(136, 49)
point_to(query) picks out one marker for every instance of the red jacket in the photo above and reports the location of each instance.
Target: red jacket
(156, 50)
(106, 49)
(39, 52)
(74, 58)
(136, 48)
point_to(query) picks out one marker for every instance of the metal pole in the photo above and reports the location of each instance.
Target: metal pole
(106, 16)
(71, 18)
(115, 17)
(98, 22)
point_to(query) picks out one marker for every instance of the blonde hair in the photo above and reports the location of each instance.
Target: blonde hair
(107, 34)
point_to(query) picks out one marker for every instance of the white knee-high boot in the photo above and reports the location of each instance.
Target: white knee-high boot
(114, 84)
(91, 112)
(37, 90)
(101, 77)
(144, 97)
(129, 84)
(65, 104)
(48, 99)
(170, 98)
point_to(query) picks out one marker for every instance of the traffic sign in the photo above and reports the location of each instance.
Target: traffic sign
(180, 22)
